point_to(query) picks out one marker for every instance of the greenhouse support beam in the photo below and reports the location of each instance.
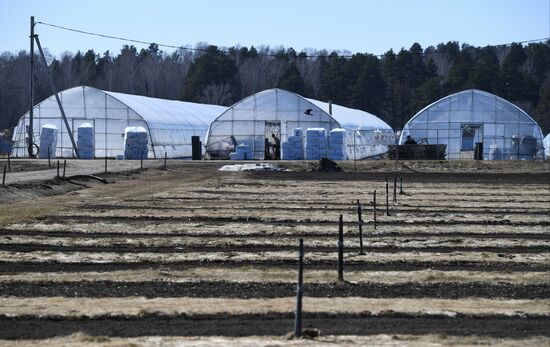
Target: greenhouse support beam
(57, 97)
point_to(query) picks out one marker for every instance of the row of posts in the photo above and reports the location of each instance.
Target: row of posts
(7, 168)
(300, 285)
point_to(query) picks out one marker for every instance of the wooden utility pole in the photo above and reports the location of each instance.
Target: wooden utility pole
(31, 91)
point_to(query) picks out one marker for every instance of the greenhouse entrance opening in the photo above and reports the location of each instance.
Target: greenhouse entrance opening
(272, 145)
(472, 141)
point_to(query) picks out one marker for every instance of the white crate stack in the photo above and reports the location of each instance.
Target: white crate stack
(85, 141)
(48, 141)
(135, 143)
(337, 144)
(293, 147)
(242, 152)
(316, 143)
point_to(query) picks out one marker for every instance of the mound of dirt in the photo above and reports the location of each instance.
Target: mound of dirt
(327, 165)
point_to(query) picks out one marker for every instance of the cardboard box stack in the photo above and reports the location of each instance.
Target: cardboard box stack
(316, 143)
(48, 140)
(293, 147)
(85, 141)
(242, 152)
(135, 143)
(337, 144)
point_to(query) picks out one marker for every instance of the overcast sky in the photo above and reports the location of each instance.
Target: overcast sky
(345, 25)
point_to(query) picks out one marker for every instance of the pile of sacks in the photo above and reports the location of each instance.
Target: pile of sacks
(337, 144)
(242, 152)
(293, 147)
(48, 141)
(135, 143)
(85, 141)
(316, 143)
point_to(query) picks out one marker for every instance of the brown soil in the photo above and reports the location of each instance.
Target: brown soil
(459, 230)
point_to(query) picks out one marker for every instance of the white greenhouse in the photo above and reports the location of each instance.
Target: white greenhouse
(547, 146)
(477, 125)
(254, 119)
(169, 124)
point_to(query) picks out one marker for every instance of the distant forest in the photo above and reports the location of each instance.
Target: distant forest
(393, 86)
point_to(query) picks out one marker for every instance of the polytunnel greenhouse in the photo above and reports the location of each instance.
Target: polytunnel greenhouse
(546, 143)
(169, 124)
(255, 119)
(477, 125)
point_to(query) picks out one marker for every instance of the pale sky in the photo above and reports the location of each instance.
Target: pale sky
(346, 25)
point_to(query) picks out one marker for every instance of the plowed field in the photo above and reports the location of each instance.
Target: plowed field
(195, 256)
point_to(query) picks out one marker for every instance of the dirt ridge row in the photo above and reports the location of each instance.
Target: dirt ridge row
(183, 248)
(273, 324)
(244, 290)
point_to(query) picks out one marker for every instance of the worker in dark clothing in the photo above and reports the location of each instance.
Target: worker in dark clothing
(267, 146)
(233, 142)
(410, 141)
(276, 146)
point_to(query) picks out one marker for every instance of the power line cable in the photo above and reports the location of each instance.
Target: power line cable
(260, 54)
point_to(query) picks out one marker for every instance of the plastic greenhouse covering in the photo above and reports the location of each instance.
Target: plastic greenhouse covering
(275, 111)
(169, 123)
(474, 121)
(547, 146)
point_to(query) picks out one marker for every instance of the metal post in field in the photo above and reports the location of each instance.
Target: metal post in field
(141, 161)
(299, 290)
(105, 164)
(49, 157)
(9, 162)
(395, 189)
(374, 208)
(64, 166)
(360, 224)
(387, 198)
(4, 177)
(341, 249)
(58, 168)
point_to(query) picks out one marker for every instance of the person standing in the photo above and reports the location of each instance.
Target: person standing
(276, 146)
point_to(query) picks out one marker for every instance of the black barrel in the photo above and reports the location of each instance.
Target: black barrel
(196, 147)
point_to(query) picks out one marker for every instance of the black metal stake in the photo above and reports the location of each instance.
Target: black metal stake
(401, 185)
(374, 209)
(58, 168)
(387, 198)
(9, 162)
(64, 166)
(49, 157)
(4, 177)
(341, 249)
(395, 189)
(141, 161)
(165, 156)
(299, 290)
(105, 164)
(360, 223)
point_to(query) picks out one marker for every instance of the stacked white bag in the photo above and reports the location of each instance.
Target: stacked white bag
(135, 143)
(293, 147)
(85, 141)
(48, 141)
(242, 152)
(316, 143)
(337, 144)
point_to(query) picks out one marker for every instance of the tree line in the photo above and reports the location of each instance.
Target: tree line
(393, 86)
